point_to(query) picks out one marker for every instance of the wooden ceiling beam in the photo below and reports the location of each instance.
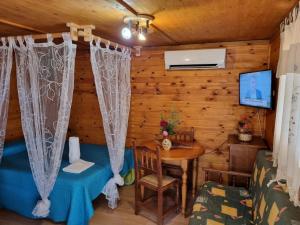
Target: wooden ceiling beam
(21, 26)
(134, 12)
(164, 34)
(128, 7)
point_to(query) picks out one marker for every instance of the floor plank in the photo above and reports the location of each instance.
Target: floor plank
(123, 215)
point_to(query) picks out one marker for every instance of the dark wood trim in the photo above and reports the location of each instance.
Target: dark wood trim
(127, 6)
(21, 26)
(164, 34)
(227, 172)
(233, 175)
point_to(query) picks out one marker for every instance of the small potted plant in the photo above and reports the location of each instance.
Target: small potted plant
(167, 128)
(245, 128)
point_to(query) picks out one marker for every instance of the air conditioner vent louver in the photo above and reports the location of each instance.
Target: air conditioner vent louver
(195, 59)
(194, 66)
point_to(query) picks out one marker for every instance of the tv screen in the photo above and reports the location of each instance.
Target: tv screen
(256, 89)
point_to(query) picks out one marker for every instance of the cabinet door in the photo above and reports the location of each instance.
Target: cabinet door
(242, 158)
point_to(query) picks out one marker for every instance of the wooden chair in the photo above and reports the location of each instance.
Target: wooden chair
(184, 136)
(148, 172)
(232, 174)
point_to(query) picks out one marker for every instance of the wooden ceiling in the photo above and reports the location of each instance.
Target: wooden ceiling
(176, 21)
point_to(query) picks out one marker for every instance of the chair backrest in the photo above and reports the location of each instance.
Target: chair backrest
(147, 161)
(184, 135)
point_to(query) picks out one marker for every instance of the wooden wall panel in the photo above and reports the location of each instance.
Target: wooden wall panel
(270, 117)
(14, 128)
(205, 99)
(85, 120)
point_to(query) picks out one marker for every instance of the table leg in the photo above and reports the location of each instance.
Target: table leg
(195, 176)
(184, 165)
(142, 187)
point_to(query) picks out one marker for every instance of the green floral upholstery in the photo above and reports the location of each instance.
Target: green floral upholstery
(218, 204)
(261, 176)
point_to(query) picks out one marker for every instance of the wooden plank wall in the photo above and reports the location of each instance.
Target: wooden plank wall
(270, 116)
(205, 99)
(14, 128)
(85, 120)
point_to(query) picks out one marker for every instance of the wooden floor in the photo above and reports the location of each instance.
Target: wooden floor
(123, 215)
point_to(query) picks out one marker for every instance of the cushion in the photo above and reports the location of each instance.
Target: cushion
(276, 208)
(152, 179)
(206, 217)
(221, 204)
(261, 176)
(217, 190)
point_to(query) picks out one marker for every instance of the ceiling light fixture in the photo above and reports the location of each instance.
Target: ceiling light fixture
(137, 26)
(141, 34)
(126, 33)
(141, 37)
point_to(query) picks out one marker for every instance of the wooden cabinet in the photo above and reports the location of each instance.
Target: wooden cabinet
(242, 154)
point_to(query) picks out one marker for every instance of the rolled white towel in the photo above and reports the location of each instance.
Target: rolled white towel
(74, 149)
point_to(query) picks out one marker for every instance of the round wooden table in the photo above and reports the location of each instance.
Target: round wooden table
(181, 156)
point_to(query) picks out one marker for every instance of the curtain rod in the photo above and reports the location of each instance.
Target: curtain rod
(38, 36)
(110, 43)
(44, 36)
(94, 38)
(84, 31)
(59, 35)
(290, 18)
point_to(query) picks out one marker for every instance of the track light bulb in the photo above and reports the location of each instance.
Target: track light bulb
(141, 36)
(126, 33)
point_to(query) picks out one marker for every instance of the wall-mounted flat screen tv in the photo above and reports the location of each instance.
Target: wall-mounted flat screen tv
(256, 89)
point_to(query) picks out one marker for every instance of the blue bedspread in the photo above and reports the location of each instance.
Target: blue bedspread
(71, 198)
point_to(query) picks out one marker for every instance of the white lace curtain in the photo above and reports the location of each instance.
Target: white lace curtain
(286, 149)
(45, 77)
(5, 70)
(111, 70)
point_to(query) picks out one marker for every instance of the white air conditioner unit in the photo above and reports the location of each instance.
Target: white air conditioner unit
(195, 59)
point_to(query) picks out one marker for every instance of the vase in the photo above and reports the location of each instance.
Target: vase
(246, 137)
(166, 144)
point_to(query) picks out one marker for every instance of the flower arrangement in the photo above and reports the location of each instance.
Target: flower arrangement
(245, 125)
(167, 126)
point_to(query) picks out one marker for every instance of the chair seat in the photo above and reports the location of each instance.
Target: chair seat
(152, 179)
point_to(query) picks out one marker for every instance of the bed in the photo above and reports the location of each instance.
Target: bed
(72, 196)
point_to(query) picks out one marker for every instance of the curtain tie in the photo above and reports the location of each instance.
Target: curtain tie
(3, 40)
(42, 208)
(49, 38)
(271, 182)
(118, 179)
